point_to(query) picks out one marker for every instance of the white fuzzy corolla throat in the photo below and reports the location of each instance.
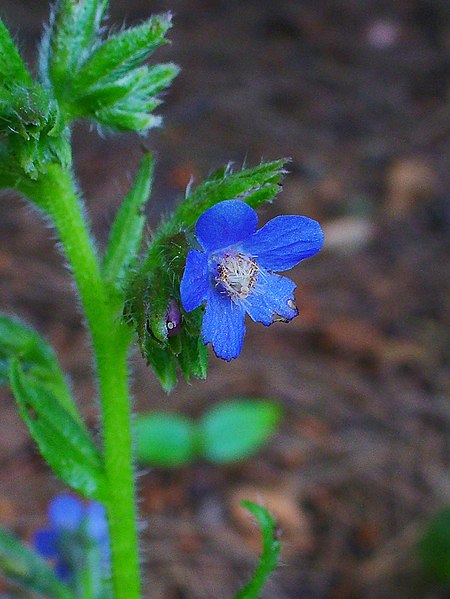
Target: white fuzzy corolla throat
(237, 274)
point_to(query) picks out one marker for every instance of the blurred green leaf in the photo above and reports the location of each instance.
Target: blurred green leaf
(270, 555)
(232, 430)
(126, 233)
(37, 358)
(434, 548)
(165, 440)
(63, 441)
(237, 428)
(26, 569)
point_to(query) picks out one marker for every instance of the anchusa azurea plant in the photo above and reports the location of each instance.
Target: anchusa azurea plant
(76, 542)
(189, 285)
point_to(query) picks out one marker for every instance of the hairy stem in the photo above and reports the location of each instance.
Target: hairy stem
(56, 194)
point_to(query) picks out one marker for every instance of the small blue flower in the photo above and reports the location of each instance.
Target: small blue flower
(234, 274)
(74, 528)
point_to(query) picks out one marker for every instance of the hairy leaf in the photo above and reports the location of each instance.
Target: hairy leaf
(126, 233)
(122, 52)
(63, 441)
(270, 555)
(37, 358)
(26, 569)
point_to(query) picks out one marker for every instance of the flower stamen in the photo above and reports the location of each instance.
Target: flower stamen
(237, 274)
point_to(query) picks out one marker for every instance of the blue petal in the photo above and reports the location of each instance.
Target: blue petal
(45, 542)
(96, 522)
(195, 281)
(223, 325)
(270, 299)
(284, 241)
(63, 571)
(65, 512)
(225, 224)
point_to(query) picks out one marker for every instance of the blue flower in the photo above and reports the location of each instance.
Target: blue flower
(74, 529)
(234, 274)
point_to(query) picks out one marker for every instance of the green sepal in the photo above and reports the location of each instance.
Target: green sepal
(104, 80)
(126, 232)
(133, 93)
(118, 119)
(193, 357)
(63, 441)
(270, 555)
(34, 130)
(29, 571)
(163, 362)
(99, 96)
(68, 41)
(165, 354)
(12, 67)
(37, 359)
(121, 53)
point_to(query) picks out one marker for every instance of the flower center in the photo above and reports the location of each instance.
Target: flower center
(237, 274)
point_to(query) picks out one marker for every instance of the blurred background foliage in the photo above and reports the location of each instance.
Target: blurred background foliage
(356, 92)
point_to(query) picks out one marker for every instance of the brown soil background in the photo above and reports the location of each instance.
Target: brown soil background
(355, 92)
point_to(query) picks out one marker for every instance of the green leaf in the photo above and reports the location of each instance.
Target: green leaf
(26, 569)
(63, 441)
(126, 232)
(165, 440)
(434, 548)
(237, 428)
(12, 68)
(122, 52)
(37, 358)
(270, 555)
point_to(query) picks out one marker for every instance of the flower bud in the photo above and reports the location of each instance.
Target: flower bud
(173, 319)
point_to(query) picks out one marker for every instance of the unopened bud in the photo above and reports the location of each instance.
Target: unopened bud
(173, 319)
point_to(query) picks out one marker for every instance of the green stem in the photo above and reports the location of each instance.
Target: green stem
(55, 193)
